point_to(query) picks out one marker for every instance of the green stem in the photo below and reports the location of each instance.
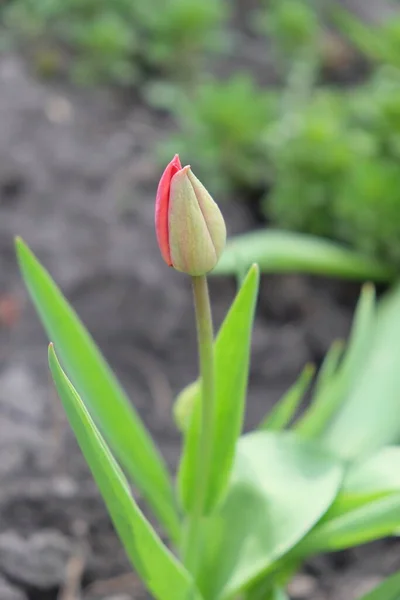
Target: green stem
(205, 338)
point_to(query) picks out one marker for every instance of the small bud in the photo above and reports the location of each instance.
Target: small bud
(190, 228)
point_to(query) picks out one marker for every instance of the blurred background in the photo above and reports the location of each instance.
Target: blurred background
(289, 112)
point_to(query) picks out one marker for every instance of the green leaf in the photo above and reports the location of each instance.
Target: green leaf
(101, 392)
(379, 473)
(284, 411)
(283, 251)
(368, 419)
(278, 594)
(361, 335)
(366, 38)
(163, 575)
(280, 488)
(378, 518)
(335, 381)
(232, 354)
(328, 370)
(376, 477)
(388, 590)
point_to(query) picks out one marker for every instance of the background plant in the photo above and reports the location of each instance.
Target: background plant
(117, 41)
(334, 148)
(326, 157)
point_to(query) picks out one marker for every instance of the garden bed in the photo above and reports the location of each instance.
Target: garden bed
(77, 182)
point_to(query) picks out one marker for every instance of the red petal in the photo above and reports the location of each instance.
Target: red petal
(162, 205)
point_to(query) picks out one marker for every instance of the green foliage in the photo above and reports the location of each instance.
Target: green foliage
(341, 162)
(118, 41)
(380, 42)
(274, 497)
(221, 125)
(280, 488)
(160, 571)
(118, 420)
(178, 33)
(326, 157)
(287, 252)
(293, 25)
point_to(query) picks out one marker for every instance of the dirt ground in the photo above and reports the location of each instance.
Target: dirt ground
(77, 182)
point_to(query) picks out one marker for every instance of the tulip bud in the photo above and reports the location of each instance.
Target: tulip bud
(190, 228)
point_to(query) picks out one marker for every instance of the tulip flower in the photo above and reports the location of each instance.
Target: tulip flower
(190, 228)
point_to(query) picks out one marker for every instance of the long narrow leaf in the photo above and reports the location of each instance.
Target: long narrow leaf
(368, 420)
(163, 575)
(284, 411)
(328, 370)
(335, 382)
(232, 353)
(377, 519)
(361, 334)
(101, 392)
(284, 251)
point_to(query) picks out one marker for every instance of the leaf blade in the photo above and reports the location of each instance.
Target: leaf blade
(376, 519)
(287, 252)
(280, 487)
(164, 576)
(100, 390)
(368, 420)
(284, 411)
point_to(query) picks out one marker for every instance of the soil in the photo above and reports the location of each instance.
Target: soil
(77, 181)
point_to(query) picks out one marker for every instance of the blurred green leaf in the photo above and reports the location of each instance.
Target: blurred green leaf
(367, 38)
(368, 419)
(335, 380)
(376, 477)
(378, 473)
(278, 594)
(159, 570)
(283, 251)
(101, 392)
(328, 369)
(361, 334)
(387, 590)
(280, 488)
(376, 519)
(232, 354)
(284, 411)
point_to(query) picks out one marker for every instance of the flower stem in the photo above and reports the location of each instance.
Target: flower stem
(205, 338)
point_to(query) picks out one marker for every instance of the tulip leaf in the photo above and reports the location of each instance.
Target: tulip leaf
(379, 473)
(328, 369)
(160, 571)
(387, 590)
(277, 594)
(336, 377)
(280, 487)
(375, 477)
(284, 411)
(373, 520)
(368, 419)
(100, 390)
(232, 355)
(284, 251)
